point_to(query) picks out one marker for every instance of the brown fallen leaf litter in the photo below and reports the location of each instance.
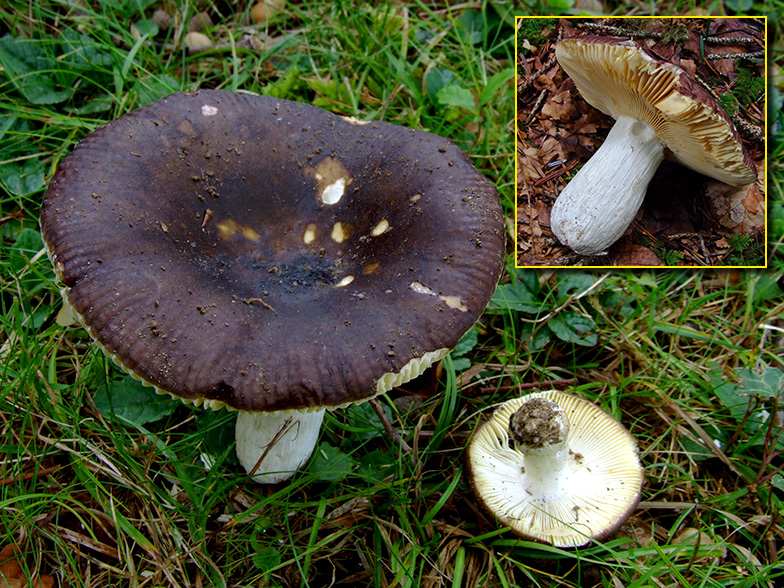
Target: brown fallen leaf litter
(686, 218)
(13, 570)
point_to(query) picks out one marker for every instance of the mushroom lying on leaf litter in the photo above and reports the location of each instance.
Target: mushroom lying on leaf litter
(656, 106)
(555, 468)
(268, 256)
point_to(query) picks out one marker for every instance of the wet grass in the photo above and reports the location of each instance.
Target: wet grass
(691, 362)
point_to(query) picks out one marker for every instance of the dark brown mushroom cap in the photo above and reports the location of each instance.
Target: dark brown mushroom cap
(198, 241)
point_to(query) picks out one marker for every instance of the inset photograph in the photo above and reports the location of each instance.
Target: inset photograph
(640, 142)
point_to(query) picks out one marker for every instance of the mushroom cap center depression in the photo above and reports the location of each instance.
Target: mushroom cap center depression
(286, 234)
(268, 248)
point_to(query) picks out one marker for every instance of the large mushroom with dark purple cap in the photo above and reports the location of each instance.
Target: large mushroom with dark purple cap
(268, 256)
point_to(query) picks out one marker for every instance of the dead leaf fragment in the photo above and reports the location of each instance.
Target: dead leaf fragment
(738, 209)
(196, 42)
(12, 575)
(629, 254)
(559, 107)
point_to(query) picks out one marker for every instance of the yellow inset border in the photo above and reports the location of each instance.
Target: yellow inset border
(761, 172)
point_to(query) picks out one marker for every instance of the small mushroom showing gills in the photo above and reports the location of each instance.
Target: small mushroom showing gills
(656, 106)
(268, 256)
(555, 469)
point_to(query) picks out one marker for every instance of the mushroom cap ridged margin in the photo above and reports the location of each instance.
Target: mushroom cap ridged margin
(267, 255)
(598, 488)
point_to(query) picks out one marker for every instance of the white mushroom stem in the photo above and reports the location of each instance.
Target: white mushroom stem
(601, 201)
(284, 439)
(538, 429)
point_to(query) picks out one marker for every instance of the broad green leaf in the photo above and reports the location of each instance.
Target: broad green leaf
(30, 278)
(147, 27)
(266, 559)
(126, 7)
(13, 131)
(82, 53)
(375, 465)
(216, 428)
(776, 220)
(768, 384)
(559, 5)
(31, 70)
(505, 9)
(38, 316)
(729, 395)
(364, 421)
(132, 402)
(496, 82)
(100, 103)
(740, 399)
(617, 301)
(695, 451)
(454, 95)
(472, 26)
(739, 6)
(539, 339)
(466, 343)
(436, 79)
(21, 178)
(461, 363)
(286, 85)
(572, 327)
(519, 296)
(330, 464)
(325, 87)
(571, 282)
(27, 245)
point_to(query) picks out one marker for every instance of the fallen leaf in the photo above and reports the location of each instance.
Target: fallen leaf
(630, 254)
(559, 106)
(738, 209)
(12, 575)
(526, 45)
(9, 562)
(688, 66)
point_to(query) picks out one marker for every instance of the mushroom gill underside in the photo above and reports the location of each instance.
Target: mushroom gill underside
(578, 505)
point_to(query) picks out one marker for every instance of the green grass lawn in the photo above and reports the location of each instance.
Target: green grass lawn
(690, 361)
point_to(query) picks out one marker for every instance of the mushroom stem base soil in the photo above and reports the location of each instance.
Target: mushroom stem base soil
(601, 201)
(539, 429)
(279, 443)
